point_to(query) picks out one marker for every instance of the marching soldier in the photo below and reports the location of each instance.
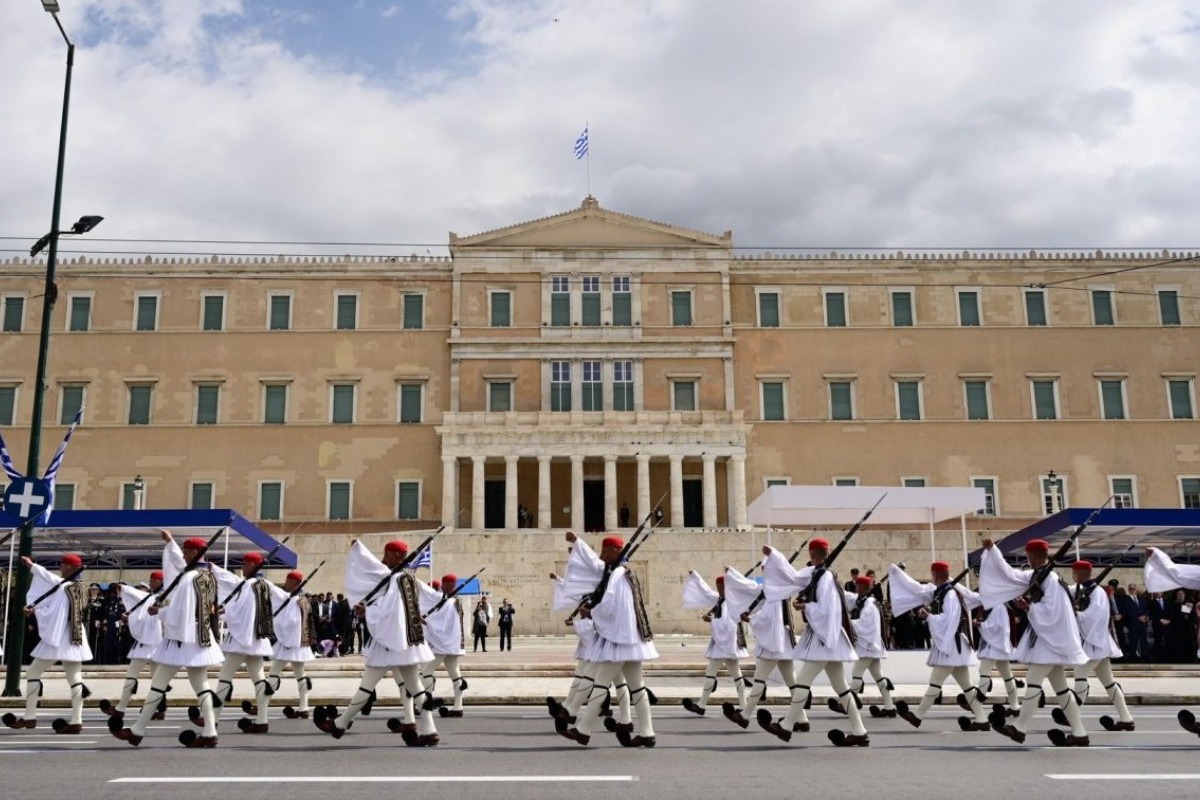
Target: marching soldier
(995, 653)
(1164, 575)
(566, 712)
(447, 639)
(293, 622)
(868, 628)
(147, 636)
(1099, 645)
(250, 627)
(726, 645)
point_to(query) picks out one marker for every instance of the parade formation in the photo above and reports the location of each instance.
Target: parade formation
(1061, 632)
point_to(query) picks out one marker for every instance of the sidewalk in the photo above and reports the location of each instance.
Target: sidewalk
(538, 667)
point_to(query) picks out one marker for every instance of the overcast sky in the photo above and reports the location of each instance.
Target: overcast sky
(1027, 123)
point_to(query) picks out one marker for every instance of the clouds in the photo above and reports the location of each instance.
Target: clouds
(861, 123)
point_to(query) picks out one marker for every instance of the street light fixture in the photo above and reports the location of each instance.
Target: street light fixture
(15, 637)
(139, 493)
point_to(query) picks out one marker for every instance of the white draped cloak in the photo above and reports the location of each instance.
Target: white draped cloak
(614, 618)
(180, 619)
(146, 630)
(825, 639)
(444, 627)
(1163, 574)
(585, 632)
(868, 628)
(772, 640)
(995, 635)
(723, 643)
(240, 615)
(1052, 636)
(386, 616)
(54, 619)
(1095, 625)
(949, 647)
(288, 628)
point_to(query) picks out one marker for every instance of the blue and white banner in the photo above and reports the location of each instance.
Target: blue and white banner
(581, 144)
(51, 471)
(424, 559)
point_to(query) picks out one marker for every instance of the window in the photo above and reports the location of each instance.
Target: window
(275, 397)
(8, 405)
(270, 500)
(64, 496)
(1168, 306)
(14, 313)
(212, 312)
(345, 311)
(207, 399)
(140, 397)
(968, 308)
(560, 385)
(342, 403)
(1035, 307)
(845, 481)
(773, 404)
(412, 402)
(340, 499)
(500, 396)
(1102, 307)
(1189, 490)
(1124, 491)
(841, 400)
(977, 399)
(146, 312)
(280, 314)
(989, 497)
(1112, 398)
(835, 309)
(902, 309)
(129, 497)
(69, 402)
(768, 309)
(769, 482)
(201, 496)
(683, 395)
(408, 500)
(1054, 494)
(593, 387)
(622, 301)
(908, 400)
(913, 483)
(79, 316)
(414, 311)
(622, 386)
(560, 300)
(1179, 395)
(500, 313)
(591, 300)
(1045, 398)
(681, 308)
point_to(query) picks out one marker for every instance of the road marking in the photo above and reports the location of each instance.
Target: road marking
(24, 742)
(389, 779)
(1131, 776)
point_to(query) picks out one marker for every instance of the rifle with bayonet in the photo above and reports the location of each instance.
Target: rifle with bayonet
(1035, 592)
(187, 567)
(379, 587)
(461, 585)
(297, 590)
(247, 578)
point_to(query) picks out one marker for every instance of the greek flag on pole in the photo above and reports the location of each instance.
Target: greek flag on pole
(424, 558)
(51, 471)
(581, 145)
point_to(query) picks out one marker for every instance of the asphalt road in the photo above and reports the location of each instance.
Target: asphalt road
(499, 753)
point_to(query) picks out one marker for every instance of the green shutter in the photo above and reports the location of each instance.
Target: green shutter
(1043, 400)
(214, 312)
(622, 397)
(773, 401)
(64, 497)
(202, 495)
(501, 309)
(128, 501)
(72, 399)
(1114, 402)
(681, 308)
(139, 405)
(407, 500)
(343, 404)
(1168, 306)
(501, 396)
(8, 404)
(977, 400)
(275, 410)
(768, 310)
(909, 393)
(347, 312)
(622, 309)
(1102, 308)
(591, 309)
(902, 314)
(1035, 308)
(81, 312)
(410, 403)
(835, 309)
(841, 406)
(414, 311)
(270, 500)
(339, 500)
(560, 308)
(1191, 492)
(281, 312)
(968, 309)
(685, 396)
(14, 314)
(1181, 400)
(207, 398)
(147, 313)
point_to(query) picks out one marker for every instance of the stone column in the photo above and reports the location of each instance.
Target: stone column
(450, 491)
(737, 490)
(510, 492)
(610, 493)
(543, 509)
(643, 486)
(477, 491)
(577, 493)
(710, 490)
(676, 491)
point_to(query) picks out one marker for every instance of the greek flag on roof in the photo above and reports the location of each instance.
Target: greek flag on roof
(424, 558)
(581, 144)
(51, 471)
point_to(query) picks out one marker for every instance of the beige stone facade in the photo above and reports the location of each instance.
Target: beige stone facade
(591, 360)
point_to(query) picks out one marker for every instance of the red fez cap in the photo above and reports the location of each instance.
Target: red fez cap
(1037, 544)
(194, 543)
(396, 546)
(436, 584)
(1081, 564)
(252, 559)
(818, 544)
(71, 560)
(295, 575)
(721, 579)
(157, 575)
(940, 566)
(863, 580)
(449, 577)
(613, 541)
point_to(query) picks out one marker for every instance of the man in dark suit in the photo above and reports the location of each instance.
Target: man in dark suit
(343, 621)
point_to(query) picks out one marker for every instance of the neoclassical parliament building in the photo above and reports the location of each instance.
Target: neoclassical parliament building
(581, 370)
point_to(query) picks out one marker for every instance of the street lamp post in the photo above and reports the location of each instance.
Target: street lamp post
(15, 638)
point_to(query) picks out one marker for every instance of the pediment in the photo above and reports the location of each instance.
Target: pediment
(590, 227)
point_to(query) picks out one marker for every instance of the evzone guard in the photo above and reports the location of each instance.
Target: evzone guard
(1099, 645)
(774, 639)
(868, 630)
(1164, 575)
(293, 625)
(146, 631)
(58, 603)
(726, 644)
(995, 654)
(447, 639)
(186, 608)
(581, 679)
(944, 606)
(249, 629)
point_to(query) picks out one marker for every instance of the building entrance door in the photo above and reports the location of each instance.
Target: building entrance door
(593, 505)
(493, 504)
(693, 502)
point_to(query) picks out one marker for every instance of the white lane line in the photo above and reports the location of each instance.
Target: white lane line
(388, 779)
(1132, 776)
(24, 742)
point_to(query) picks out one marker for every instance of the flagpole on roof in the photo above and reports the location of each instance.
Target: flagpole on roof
(588, 151)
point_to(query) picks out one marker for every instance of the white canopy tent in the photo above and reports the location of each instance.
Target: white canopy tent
(811, 506)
